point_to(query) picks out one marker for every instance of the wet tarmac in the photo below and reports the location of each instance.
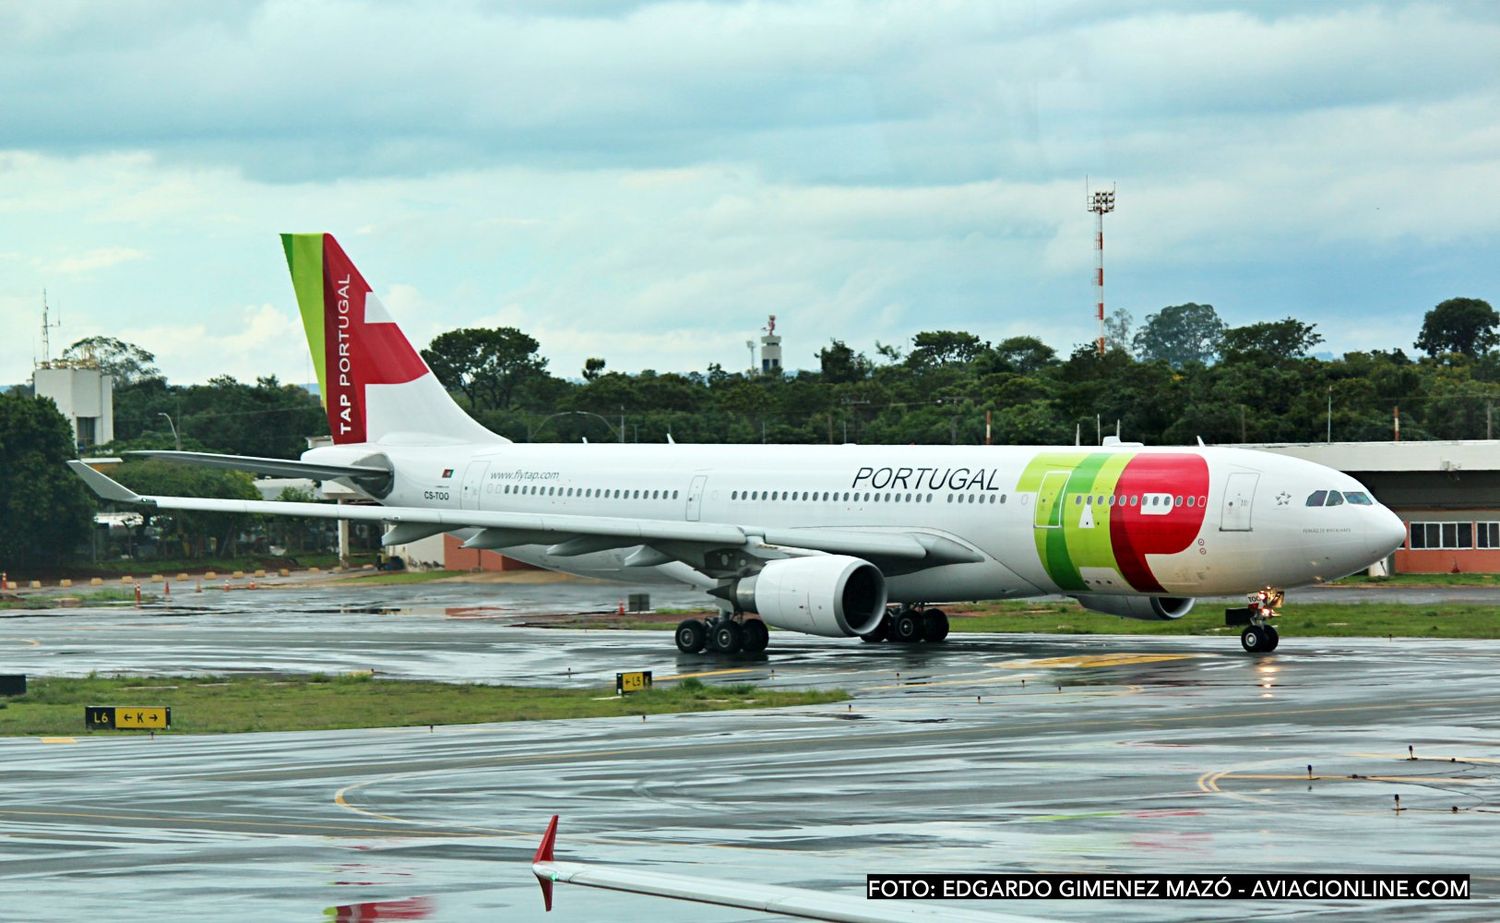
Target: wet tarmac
(987, 753)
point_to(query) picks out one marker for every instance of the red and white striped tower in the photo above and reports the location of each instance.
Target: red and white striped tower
(1100, 203)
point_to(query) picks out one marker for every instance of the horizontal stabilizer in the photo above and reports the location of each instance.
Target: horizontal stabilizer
(367, 475)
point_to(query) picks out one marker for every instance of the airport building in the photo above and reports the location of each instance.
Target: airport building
(1447, 493)
(84, 394)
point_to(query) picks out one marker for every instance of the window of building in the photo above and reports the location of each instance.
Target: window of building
(1445, 535)
(1488, 534)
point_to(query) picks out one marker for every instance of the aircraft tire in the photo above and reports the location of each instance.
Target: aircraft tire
(905, 629)
(881, 633)
(692, 636)
(934, 625)
(757, 636)
(1273, 638)
(726, 638)
(1253, 639)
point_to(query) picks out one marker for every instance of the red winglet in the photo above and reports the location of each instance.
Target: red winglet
(544, 854)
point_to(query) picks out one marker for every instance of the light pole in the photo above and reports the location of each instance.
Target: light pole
(176, 439)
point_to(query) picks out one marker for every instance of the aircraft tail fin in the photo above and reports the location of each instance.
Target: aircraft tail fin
(373, 383)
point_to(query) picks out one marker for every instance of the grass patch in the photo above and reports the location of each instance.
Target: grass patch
(85, 597)
(226, 705)
(1421, 580)
(1337, 620)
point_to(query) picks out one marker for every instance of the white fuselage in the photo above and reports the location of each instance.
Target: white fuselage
(1043, 519)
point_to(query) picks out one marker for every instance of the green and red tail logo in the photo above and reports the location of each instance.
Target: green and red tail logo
(353, 341)
(1100, 514)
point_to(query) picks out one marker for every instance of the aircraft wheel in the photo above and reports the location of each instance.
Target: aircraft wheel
(726, 638)
(692, 636)
(934, 625)
(757, 636)
(1272, 638)
(881, 632)
(905, 628)
(1253, 639)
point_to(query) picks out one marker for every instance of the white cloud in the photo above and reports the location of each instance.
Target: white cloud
(102, 258)
(646, 181)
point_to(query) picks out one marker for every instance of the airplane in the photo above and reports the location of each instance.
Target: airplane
(838, 541)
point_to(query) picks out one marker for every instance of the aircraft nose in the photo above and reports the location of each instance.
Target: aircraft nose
(1390, 530)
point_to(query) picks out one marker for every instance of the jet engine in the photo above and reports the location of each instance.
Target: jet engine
(1145, 608)
(833, 595)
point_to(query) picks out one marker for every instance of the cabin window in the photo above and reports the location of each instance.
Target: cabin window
(1358, 498)
(950, 498)
(1335, 498)
(1077, 500)
(674, 495)
(1192, 501)
(1317, 497)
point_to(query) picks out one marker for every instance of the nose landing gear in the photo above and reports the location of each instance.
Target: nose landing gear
(1259, 637)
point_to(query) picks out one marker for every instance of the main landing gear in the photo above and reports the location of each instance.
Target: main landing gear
(1259, 636)
(908, 625)
(723, 634)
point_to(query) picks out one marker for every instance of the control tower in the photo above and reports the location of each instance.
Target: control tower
(770, 349)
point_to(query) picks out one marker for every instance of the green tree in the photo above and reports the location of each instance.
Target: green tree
(1117, 329)
(593, 367)
(126, 362)
(45, 511)
(1181, 334)
(944, 347)
(486, 364)
(1459, 325)
(840, 364)
(195, 534)
(1269, 341)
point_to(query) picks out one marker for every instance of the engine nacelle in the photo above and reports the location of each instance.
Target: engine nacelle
(1145, 608)
(833, 595)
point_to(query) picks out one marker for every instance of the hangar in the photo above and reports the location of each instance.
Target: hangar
(1447, 493)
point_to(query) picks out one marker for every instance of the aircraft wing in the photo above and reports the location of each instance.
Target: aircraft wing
(572, 534)
(275, 467)
(724, 892)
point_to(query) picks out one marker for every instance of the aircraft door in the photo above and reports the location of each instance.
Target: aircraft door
(473, 486)
(695, 498)
(1239, 492)
(1049, 500)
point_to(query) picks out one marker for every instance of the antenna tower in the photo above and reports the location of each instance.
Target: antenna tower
(1100, 203)
(47, 329)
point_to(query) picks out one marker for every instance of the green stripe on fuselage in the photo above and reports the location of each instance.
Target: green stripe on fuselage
(1083, 539)
(304, 257)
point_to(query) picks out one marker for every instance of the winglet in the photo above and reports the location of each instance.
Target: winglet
(544, 854)
(105, 486)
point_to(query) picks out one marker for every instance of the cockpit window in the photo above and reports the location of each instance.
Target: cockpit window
(1335, 498)
(1358, 497)
(1317, 497)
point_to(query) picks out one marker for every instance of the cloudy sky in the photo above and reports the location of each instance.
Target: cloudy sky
(647, 181)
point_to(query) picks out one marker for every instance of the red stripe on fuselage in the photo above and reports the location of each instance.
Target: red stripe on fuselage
(1134, 534)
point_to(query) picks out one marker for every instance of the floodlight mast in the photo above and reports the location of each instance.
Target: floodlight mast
(1100, 203)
